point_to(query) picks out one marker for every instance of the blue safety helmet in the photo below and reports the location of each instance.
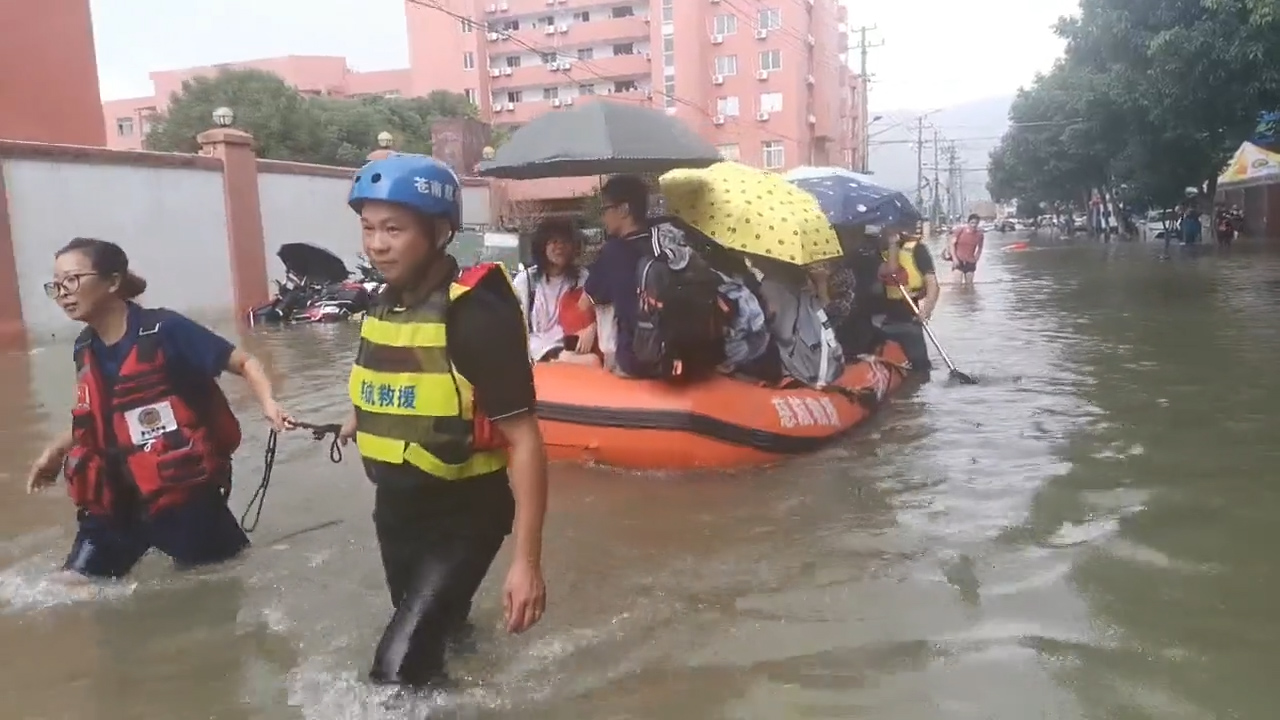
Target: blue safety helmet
(415, 181)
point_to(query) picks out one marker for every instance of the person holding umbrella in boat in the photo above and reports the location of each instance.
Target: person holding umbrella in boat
(443, 399)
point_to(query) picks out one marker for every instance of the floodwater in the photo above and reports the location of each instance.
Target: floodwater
(1086, 534)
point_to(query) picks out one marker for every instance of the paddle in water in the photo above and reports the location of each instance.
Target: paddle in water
(960, 377)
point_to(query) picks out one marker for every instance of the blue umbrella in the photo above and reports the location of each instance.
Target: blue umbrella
(850, 198)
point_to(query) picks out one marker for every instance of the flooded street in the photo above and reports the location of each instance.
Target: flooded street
(1085, 534)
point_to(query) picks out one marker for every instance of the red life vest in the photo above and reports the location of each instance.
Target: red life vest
(485, 435)
(161, 441)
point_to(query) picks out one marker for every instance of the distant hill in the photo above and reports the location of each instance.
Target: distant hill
(976, 127)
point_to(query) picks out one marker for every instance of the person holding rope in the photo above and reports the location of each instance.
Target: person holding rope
(443, 398)
(148, 455)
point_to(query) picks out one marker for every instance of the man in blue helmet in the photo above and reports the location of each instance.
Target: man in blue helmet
(443, 417)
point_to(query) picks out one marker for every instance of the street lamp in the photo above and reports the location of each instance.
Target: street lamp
(385, 140)
(223, 117)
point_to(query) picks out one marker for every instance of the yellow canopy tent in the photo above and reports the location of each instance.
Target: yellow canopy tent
(1251, 165)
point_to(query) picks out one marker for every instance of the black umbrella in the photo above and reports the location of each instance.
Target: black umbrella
(312, 262)
(600, 138)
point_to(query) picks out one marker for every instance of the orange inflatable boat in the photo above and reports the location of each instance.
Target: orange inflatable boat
(588, 415)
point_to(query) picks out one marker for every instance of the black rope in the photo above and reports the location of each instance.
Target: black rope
(259, 499)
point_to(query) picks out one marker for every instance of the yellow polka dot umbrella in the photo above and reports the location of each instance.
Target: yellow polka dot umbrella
(752, 211)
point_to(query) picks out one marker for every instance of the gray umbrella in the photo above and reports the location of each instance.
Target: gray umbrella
(599, 138)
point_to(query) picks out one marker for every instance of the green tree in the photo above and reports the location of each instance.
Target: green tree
(1164, 89)
(289, 126)
(283, 123)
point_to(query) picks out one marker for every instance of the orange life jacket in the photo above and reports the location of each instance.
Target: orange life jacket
(144, 429)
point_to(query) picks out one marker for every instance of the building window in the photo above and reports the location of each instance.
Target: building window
(124, 126)
(468, 25)
(549, 58)
(668, 52)
(468, 61)
(729, 152)
(771, 102)
(669, 90)
(548, 21)
(624, 49)
(586, 53)
(582, 16)
(471, 96)
(727, 106)
(515, 96)
(513, 61)
(622, 11)
(511, 25)
(550, 93)
(668, 11)
(725, 25)
(727, 65)
(622, 86)
(771, 60)
(773, 156)
(586, 89)
(770, 19)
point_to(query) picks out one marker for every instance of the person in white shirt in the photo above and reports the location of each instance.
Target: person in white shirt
(552, 285)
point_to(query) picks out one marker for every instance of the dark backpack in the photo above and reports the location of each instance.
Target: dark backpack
(681, 321)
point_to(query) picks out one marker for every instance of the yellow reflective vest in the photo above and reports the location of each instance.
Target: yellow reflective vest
(915, 278)
(412, 405)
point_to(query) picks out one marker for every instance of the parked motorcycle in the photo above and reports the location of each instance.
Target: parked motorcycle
(316, 289)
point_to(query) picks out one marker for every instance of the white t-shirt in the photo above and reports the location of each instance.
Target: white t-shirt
(543, 318)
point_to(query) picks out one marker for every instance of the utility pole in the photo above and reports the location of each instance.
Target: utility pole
(861, 110)
(953, 181)
(920, 163)
(937, 199)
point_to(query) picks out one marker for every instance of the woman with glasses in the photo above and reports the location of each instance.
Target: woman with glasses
(148, 455)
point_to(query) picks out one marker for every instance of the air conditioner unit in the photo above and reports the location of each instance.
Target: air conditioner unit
(647, 55)
(494, 72)
(648, 94)
(563, 29)
(717, 39)
(506, 71)
(813, 119)
(717, 79)
(811, 41)
(718, 120)
(762, 74)
(715, 2)
(809, 80)
(555, 102)
(762, 34)
(492, 8)
(503, 7)
(762, 116)
(510, 107)
(551, 2)
(549, 30)
(492, 37)
(568, 101)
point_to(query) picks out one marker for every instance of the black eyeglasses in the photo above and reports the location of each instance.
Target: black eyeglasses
(68, 285)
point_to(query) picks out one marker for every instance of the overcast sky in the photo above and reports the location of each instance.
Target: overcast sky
(936, 52)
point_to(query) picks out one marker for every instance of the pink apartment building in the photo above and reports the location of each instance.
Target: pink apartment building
(126, 120)
(765, 80)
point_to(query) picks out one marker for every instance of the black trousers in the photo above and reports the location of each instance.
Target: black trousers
(437, 543)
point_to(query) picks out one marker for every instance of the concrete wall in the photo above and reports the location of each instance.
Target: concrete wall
(306, 208)
(202, 229)
(171, 221)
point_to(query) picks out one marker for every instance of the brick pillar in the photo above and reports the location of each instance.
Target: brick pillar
(13, 331)
(245, 241)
